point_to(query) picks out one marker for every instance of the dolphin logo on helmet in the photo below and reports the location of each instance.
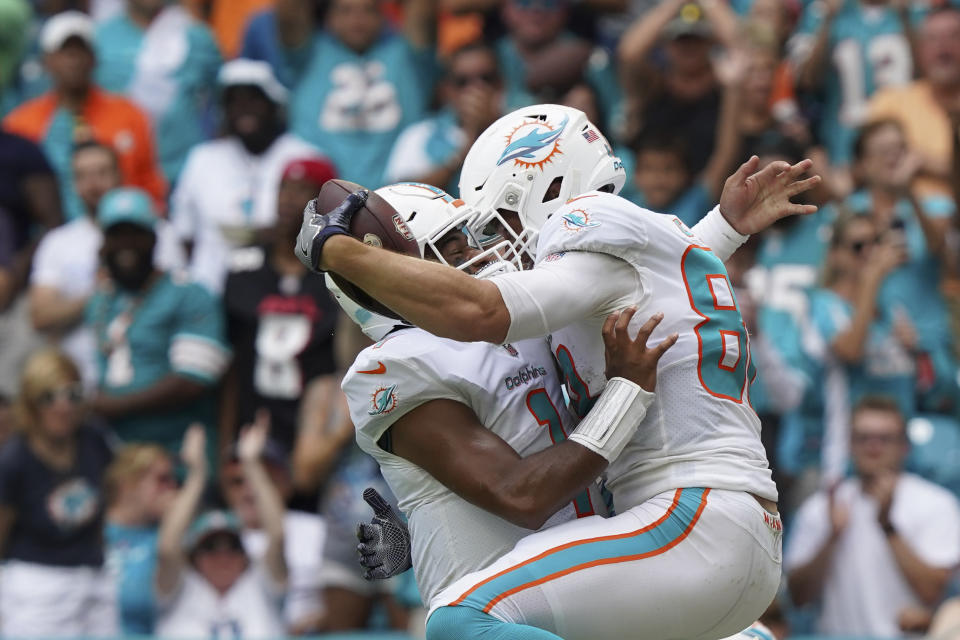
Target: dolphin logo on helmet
(525, 147)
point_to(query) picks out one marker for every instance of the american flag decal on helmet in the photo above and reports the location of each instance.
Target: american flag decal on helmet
(591, 135)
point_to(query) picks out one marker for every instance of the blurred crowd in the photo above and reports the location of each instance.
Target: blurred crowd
(177, 457)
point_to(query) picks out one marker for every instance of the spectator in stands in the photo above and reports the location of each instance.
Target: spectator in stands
(361, 85)
(663, 173)
(160, 341)
(51, 511)
(29, 204)
(67, 260)
(282, 36)
(541, 60)
(922, 107)
(877, 543)
(77, 110)
(206, 582)
(28, 193)
(280, 319)
(23, 76)
(433, 149)
(227, 192)
(681, 96)
(304, 534)
(14, 23)
(847, 50)
(867, 346)
(166, 61)
(886, 169)
(140, 486)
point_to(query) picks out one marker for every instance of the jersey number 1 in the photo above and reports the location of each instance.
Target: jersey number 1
(724, 365)
(546, 414)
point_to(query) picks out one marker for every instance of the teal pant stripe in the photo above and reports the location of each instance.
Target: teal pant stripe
(587, 552)
(461, 623)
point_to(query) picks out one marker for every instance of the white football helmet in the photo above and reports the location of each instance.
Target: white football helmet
(373, 325)
(431, 214)
(531, 161)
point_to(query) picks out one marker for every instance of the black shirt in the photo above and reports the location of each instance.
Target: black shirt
(281, 330)
(59, 514)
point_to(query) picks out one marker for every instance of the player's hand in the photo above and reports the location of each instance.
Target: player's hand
(753, 200)
(632, 359)
(318, 227)
(385, 542)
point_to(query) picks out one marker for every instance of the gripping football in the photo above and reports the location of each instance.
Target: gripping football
(377, 224)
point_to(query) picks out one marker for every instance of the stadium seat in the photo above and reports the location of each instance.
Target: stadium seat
(935, 449)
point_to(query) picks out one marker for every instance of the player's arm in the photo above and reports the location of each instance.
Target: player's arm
(445, 438)
(449, 303)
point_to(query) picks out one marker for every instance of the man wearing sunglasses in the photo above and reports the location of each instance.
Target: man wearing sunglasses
(432, 150)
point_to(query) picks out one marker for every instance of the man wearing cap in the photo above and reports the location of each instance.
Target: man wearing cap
(206, 582)
(159, 339)
(166, 61)
(227, 191)
(280, 319)
(66, 262)
(76, 110)
(681, 96)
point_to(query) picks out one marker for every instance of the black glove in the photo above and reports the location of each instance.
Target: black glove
(385, 542)
(316, 227)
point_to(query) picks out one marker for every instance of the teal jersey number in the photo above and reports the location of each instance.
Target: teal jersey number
(724, 365)
(580, 396)
(546, 414)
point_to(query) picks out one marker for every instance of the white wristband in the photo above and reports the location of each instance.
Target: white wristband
(716, 232)
(614, 418)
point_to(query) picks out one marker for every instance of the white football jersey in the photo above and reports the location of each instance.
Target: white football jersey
(514, 390)
(700, 430)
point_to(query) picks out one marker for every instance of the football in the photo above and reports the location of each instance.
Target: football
(377, 224)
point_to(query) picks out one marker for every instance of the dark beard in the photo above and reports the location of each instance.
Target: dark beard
(130, 278)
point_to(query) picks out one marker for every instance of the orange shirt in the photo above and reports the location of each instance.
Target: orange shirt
(229, 18)
(107, 118)
(925, 122)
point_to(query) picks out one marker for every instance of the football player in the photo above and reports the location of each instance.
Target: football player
(696, 503)
(463, 431)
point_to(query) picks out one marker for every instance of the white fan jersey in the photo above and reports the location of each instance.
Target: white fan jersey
(700, 430)
(514, 390)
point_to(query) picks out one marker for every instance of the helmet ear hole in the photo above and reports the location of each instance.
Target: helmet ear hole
(553, 191)
(607, 188)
